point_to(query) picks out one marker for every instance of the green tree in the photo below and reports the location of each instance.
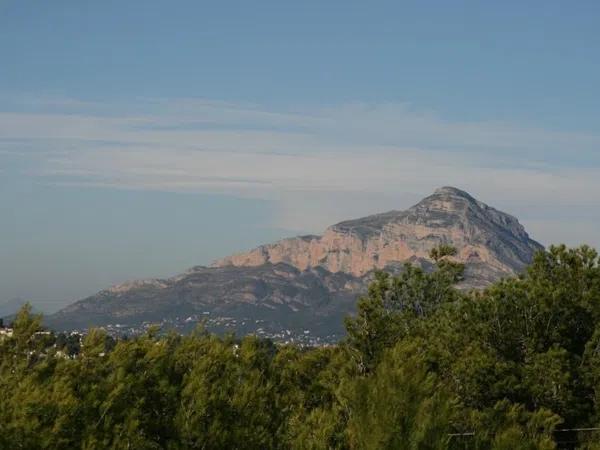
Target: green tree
(228, 397)
(394, 305)
(400, 406)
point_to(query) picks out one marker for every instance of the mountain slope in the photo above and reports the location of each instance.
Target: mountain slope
(492, 243)
(274, 297)
(303, 286)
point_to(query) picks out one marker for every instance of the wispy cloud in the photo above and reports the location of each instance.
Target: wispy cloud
(320, 164)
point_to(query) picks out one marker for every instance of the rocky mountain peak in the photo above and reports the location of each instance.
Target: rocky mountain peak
(449, 198)
(484, 237)
(451, 190)
(309, 283)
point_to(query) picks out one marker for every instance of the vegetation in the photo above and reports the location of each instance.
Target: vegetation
(424, 366)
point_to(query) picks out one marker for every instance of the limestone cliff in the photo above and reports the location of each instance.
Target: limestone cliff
(491, 243)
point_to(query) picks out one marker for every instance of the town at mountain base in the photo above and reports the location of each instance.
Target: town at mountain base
(299, 289)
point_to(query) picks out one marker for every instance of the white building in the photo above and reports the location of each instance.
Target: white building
(6, 333)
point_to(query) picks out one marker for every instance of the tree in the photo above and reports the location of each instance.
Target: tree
(424, 366)
(228, 398)
(394, 305)
(25, 326)
(400, 406)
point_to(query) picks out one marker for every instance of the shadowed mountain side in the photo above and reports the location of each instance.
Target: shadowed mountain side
(278, 296)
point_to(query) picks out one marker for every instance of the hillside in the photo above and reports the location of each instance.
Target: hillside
(303, 286)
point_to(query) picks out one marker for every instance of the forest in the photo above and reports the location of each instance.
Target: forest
(424, 365)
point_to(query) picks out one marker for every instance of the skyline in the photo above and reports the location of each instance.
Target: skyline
(137, 142)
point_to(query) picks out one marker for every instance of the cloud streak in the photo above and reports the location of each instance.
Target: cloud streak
(319, 164)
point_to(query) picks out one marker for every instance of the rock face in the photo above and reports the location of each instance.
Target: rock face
(309, 283)
(491, 243)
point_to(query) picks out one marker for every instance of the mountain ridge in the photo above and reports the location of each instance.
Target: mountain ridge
(306, 284)
(359, 245)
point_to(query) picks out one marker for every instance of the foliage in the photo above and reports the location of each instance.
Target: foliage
(423, 366)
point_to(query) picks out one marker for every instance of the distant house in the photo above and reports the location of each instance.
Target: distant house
(43, 333)
(5, 332)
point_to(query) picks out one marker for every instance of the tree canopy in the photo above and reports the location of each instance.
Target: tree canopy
(424, 365)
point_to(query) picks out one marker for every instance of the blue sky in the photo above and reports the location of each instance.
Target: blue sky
(140, 138)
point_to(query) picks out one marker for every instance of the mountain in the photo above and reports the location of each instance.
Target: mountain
(491, 243)
(273, 297)
(303, 286)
